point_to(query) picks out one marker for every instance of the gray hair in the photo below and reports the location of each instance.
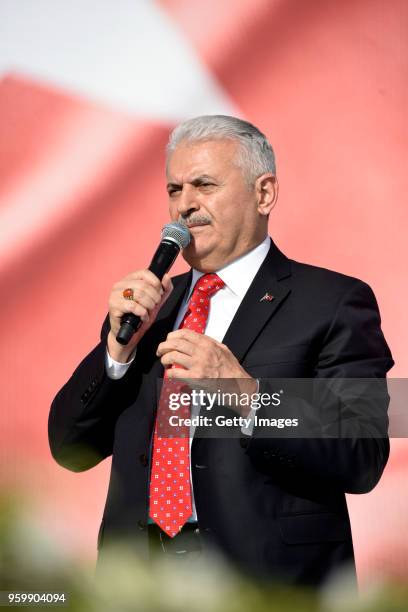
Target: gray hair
(255, 155)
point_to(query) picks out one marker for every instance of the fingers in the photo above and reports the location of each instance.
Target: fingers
(148, 297)
(176, 358)
(144, 295)
(175, 344)
(188, 335)
(200, 355)
(144, 275)
(147, 293)
(177, 350)
(145, 287)
(117, 311)
(188, 342)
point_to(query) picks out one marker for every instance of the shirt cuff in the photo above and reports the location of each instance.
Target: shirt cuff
(248, 428)
(115, 369)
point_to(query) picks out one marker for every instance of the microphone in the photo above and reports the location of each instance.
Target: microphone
(174, 237)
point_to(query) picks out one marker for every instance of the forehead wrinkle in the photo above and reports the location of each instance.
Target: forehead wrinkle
(187, 173)
(217, 157)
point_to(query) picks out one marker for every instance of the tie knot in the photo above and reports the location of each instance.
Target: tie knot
(209, 284)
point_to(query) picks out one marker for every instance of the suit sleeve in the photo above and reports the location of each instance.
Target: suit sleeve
(349, 452)
(84, 412)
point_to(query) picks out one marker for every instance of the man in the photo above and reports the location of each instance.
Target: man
(275, 506)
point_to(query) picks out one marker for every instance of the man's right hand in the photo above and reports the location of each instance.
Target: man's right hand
(149, 296)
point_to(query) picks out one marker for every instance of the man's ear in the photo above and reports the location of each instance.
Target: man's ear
(267, 190)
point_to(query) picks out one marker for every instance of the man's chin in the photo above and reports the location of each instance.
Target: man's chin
(195, 256)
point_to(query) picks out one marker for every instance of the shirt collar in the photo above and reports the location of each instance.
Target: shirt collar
(239, 274)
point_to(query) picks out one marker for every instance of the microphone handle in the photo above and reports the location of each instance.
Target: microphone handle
(161, 263)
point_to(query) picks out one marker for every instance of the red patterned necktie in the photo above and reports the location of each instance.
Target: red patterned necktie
(170, 488)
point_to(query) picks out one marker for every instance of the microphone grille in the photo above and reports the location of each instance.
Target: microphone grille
(178, 233)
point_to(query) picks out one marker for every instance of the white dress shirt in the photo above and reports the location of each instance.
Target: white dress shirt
(237, 277)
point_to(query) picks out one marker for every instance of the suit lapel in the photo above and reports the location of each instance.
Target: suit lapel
(264, 297)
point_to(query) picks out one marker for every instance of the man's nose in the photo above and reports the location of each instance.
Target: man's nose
(187, 200)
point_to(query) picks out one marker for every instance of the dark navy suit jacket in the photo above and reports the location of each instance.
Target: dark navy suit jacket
(274, 506)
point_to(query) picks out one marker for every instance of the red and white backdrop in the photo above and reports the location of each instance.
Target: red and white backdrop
(88, 94)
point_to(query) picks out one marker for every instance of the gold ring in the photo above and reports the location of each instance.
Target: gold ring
(128, 294)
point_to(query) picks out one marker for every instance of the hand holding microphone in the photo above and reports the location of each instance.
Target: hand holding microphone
(136, 299)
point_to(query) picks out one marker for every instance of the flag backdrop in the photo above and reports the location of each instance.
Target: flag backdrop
(88, 95)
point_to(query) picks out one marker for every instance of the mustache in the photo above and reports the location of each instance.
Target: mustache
(194, 220)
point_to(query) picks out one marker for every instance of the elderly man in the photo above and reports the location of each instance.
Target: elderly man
(275, 506)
